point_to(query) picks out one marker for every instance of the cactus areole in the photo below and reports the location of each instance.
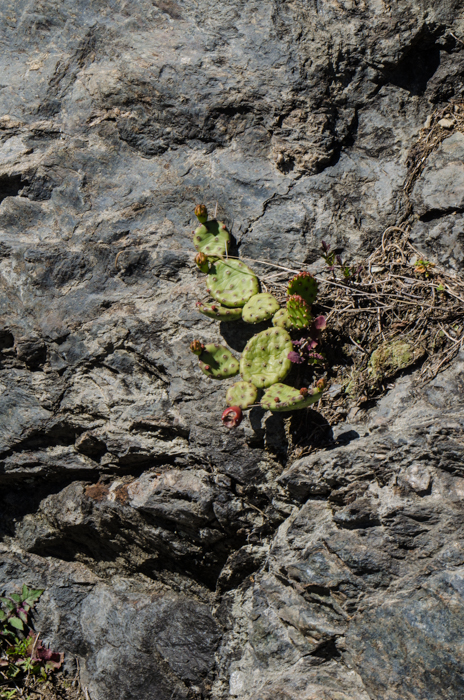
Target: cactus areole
(280, 397)
(219, 312)
(217, 362)
(211, 238)
(265, 358)
(260, 307)
(303, 285)
(243, 394)
(232, 283)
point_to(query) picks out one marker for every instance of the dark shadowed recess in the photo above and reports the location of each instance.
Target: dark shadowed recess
(35, 187)
(418, 65)
(10, 186)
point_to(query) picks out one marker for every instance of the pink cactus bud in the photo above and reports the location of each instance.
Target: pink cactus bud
(232, 417)
(207, 368)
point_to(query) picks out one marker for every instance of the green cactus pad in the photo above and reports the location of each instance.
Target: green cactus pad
(231, 282)
(280, 397)
(305, 286)
(281, 319)
(259, 308)
(299, 313)
(211, 238)
(242, 394)
(264, 360)
(218, 312)
(218, 362)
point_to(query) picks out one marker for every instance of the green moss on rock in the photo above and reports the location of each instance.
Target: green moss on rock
(393, 356)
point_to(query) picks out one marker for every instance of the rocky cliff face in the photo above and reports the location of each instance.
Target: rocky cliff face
(182, 560)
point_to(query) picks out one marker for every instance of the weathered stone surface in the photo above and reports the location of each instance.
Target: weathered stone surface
(181, 560)
(134, 635)
(438, 199)
(365, 586)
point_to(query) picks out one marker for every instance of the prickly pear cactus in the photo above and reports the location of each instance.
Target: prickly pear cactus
(259, 308)
(264, 360)
(281, 319)
(243, 394)
(280, 397)
(218, 312)
(218, 362)
(211, 238)
(231, 282)
(299, 313)
(305, 286)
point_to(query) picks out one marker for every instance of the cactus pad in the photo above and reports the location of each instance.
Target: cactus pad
(281, 319)
(218, 312)
(299, 313)
(305, 286)
(231, 282)
(264, 360)
(242, 394)
(218, 362)
(211, 238)
(259, 308)
(280, 397)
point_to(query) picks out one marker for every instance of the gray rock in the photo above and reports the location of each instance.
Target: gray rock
(438, 199)
(181, 560)
(130, 636)
(371, 577)
(441, 186)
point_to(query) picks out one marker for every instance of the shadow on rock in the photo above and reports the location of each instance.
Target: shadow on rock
(238, 333)
(309, 428)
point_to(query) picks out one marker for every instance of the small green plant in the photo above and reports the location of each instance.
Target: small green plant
(335, 262)
(22, 653)
(268, 356)
(424, 267)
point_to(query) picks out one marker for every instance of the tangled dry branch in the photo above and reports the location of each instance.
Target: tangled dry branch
(396, 298)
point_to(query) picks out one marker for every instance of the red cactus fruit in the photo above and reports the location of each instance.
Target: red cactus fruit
(196, 347)
(303, 391)
(232, 417)
(201, 213)
(321, 383)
